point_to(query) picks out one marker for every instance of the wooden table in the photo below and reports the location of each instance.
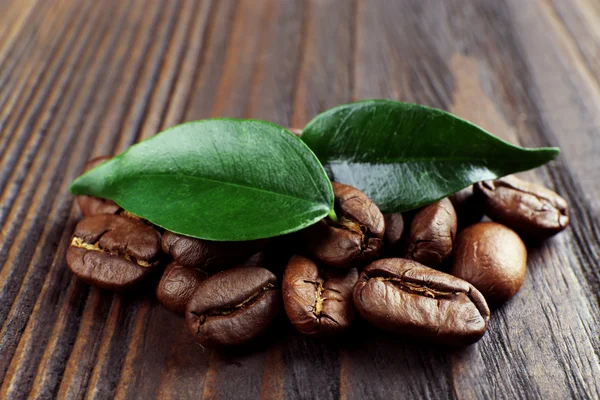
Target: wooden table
(85, 78)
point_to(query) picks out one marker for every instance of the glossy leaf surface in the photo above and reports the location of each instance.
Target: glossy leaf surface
(405, 156)
(219, 179)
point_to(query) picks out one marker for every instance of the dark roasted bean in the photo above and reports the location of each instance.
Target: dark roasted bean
(113, 252)
(468, 207)
(432, 233)
(233, 307)
(527, 207)
(206, 254)
(318, 300)
(255, 260)
(355, 239)
(394, 232)
(177, 285)
(406, 297)
(493, 258)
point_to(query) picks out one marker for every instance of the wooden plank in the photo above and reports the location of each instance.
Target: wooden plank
(322, 80)
(29, 348)
(210, 68)
(323, 65)
(11, 57)
(16, 258)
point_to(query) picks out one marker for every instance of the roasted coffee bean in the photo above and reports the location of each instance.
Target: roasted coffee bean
(255, 260)
(206, 254)
(90, 205)
(432, 233)
(527, 207)
(493, 258)
(394, 231)
(113, 252)
(468, 207)
(318, 300)
(355, 239)
(233, 307)
(178, 282)
(406, 297)
(177, 285)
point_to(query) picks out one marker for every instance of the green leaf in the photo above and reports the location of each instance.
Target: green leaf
(405, 156)
(219, 179)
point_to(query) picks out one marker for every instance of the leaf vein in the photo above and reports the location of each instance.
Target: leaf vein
(234, 184)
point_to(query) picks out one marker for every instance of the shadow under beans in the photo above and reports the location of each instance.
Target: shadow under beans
(361, 333)
(391, 356)
(358, 337)
(536, 245)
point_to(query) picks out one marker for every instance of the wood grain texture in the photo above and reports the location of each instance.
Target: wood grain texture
(81, 79)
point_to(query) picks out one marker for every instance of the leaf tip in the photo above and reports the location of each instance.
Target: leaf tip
(75, 188)
(555, 151)
(548, 153)
(85, 184)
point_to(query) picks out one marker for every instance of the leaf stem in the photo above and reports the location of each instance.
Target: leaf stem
(332, 216)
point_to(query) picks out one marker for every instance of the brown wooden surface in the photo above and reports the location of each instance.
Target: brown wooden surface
(86, 78)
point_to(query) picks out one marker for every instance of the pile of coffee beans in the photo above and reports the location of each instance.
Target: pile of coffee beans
(386, 269)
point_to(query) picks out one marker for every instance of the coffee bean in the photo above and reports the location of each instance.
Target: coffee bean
(406, 297)
(90, 205)
(206, 254)
(432, 233)
(233, 306)
(255, 260)
(493, 258)
(527, 207)
(113, 252)
(394, 231)
(318, 300)
(177, 285)
(355, 239)
(468, 207)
